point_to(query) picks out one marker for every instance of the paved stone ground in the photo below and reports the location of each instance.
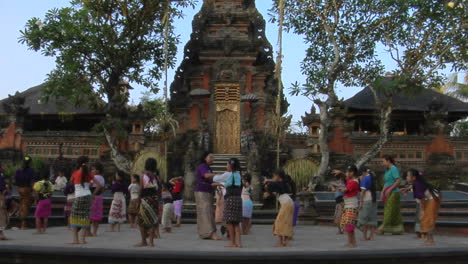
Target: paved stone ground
(307, 239)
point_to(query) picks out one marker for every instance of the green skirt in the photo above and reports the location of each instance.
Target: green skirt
(393, 221)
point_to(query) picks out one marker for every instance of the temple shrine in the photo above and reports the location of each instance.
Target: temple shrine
(225, 85)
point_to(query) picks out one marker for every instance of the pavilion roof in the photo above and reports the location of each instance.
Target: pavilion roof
(421, 102)
(34, 101)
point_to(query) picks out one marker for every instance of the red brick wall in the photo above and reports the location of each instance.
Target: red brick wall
(439, 145)
(10, 139)
(339, 143)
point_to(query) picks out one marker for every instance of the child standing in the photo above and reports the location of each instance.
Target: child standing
(60, 181)
(247, 205)
(339, 201)
(428, 198)
(69, 192)
(177, 191)
(168, 209)
(42, 192)
(134, 204)
(349, 218)
(117, 212)
(368, 204)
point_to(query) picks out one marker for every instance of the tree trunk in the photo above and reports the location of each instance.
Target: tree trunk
(323, 140)
(120, 160)
(385, 121)
(166, 178)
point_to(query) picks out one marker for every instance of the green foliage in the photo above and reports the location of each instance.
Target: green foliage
(100, 46)
(341, 38)
(301, 171)
(424, 37)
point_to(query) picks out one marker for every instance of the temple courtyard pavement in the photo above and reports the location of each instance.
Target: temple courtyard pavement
(311, 243)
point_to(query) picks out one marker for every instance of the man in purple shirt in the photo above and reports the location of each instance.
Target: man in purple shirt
(204, 199)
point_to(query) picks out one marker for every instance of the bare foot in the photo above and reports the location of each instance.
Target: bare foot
(351, 245)
(73, 243)
(429, 244)
(230, 246)
(238, 246)
(372, 238)
(339, 233)
(84, 242)
(141, 244)
(215, 237)
(279, 245)
(151, 245)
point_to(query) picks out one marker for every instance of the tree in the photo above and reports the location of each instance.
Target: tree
(458, 90)
(423, 38)
(342, 37)
(102, 46)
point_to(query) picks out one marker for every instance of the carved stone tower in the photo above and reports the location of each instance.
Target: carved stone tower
(224, 87)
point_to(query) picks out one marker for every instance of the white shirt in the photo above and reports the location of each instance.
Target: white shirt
(82, 191)
(222, 178)
(60, 183)
(246, 192)
(134, 190)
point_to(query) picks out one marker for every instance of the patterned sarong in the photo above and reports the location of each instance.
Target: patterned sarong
(25, 201)
(81, 209)
(349, 219)
(149, 209)
(118, 210)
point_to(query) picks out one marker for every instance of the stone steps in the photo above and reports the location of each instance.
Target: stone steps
(220, 161)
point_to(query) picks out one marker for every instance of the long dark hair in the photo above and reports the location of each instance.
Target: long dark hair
(435, 193)
(83, 166)
(373, 188)
(292, 186)
(248, 178)
(151, 166)
(235, 165)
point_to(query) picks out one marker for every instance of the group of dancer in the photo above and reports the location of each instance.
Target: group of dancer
(234, 205)
(149, 196)
(357, 204)
(154, 203)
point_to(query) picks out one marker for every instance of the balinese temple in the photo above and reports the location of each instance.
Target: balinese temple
(419, 136)
(225, 84)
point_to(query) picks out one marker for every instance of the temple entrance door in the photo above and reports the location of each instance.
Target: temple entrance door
(227, 119)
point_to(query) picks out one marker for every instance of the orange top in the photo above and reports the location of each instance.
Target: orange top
(76, 177)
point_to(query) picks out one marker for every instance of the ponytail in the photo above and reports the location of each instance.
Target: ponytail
(435, 193)
(83, 166)
(373, 189)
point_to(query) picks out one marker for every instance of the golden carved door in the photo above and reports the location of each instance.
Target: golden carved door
(227, 138)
